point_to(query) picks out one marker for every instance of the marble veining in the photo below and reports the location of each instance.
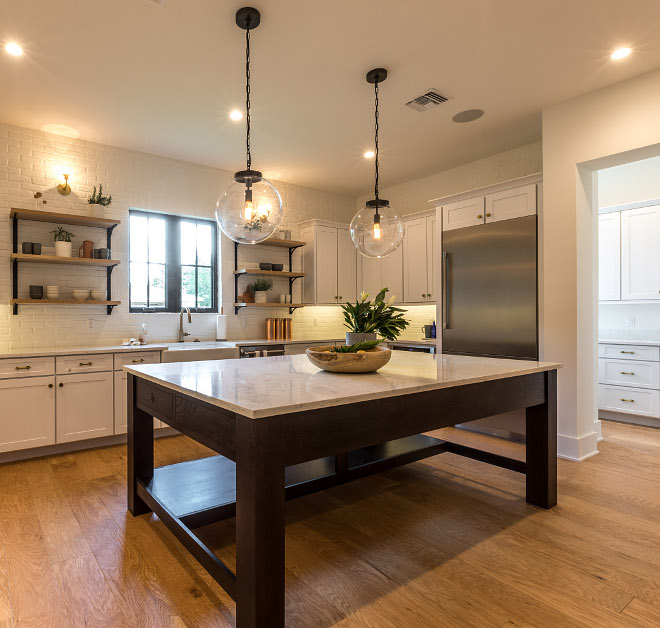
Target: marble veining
(279, 385)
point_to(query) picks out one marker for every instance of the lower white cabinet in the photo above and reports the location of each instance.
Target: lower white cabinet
(84, 404)
(28, 413)
(121, 406)
(639, 401)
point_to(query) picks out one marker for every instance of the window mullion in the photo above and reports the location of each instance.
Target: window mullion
(173, 264)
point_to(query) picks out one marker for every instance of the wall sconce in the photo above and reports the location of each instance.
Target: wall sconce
(64, 188)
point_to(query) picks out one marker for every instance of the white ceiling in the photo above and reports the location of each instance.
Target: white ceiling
(163, 79)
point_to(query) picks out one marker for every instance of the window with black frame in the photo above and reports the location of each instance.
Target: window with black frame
(173, 263)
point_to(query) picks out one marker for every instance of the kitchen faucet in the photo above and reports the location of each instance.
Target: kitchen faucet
(183, 334)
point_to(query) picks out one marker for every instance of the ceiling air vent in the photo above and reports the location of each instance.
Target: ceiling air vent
(428, 100)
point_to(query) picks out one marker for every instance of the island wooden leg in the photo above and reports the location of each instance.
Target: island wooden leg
(541, 466)
(140, 449)
(259, 523)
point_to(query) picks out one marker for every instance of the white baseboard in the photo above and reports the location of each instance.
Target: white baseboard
(577, 448)
(633, 419)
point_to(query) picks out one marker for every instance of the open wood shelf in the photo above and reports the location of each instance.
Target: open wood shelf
(54, 259)
(284, 244)
(272, 273)
(285, 305)
(63, 219)
(61, 302)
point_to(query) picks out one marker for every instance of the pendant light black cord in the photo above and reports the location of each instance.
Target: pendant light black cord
(376, 144)
(247, 94)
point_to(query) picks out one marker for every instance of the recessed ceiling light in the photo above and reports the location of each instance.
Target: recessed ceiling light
(61, 129)
(469, 115)
(369, 154)
(236, 114)
(621, 53)
(13, 49)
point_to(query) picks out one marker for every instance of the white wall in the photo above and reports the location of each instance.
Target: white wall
(32, 161)
(609, 127)
(413, 196)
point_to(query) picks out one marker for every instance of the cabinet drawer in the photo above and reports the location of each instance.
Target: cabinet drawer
(158, 401)
(629, 352)
(629, 400)
(88, 363)
(26, 367)
(136, 357)
(629, 373)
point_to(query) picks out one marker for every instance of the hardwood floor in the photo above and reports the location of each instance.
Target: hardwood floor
(444, 542)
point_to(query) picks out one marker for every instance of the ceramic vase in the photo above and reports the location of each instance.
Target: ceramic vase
(62, 249)
(353, 337)
(260, 296)
(95, 210)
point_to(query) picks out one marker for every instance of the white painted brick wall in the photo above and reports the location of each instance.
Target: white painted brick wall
(32, 161)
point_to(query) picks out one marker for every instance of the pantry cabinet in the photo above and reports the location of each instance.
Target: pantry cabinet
(609, 257)
(84, 406)
(640, 254)
(28, 413)
(329, 260)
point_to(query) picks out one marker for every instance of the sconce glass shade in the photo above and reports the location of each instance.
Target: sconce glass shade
(376, 237)
(249, 210)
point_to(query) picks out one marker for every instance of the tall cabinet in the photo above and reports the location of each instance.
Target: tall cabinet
(420, 259)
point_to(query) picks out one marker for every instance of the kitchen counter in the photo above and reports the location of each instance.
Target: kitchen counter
(641, 343)
(279, 385)
(53, 351)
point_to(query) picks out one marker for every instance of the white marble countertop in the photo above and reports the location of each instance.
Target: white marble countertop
(641, 343)
(53, 351)
(280, 385)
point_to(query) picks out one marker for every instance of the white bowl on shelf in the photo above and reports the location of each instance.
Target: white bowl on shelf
(81, 295)
(98, 295)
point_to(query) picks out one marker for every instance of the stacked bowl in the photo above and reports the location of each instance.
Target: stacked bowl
(81, 295)
(52, 292)
(98, 295)
(36, 292)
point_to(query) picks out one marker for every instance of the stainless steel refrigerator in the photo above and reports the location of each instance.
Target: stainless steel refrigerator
(490, 295)
(490, 289)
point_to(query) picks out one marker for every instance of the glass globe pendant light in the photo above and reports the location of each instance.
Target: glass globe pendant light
(250, 209)
(376, 230)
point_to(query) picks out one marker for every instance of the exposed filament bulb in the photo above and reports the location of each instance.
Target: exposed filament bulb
(247, 207)
(376, 227)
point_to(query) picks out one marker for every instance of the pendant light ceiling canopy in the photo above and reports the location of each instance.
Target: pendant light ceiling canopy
(250, 209)
(376, 230)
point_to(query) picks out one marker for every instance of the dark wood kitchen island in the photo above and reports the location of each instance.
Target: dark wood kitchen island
(283, 429)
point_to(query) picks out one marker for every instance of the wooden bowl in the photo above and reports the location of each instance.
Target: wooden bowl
(324, 358)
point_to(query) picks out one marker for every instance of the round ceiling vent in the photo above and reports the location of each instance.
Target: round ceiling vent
(469, 115)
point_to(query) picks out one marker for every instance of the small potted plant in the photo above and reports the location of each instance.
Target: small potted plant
(366, 319)
(98, 202)
(260, 289)
(62, 239)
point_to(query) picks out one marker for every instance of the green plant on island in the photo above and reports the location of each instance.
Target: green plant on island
(62, 235)
(97, 198)
(377, 316)
(362, 346)
(260, 285)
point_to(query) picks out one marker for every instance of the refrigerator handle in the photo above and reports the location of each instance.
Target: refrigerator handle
(445, 290)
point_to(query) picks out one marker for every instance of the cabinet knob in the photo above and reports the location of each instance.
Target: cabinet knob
(627, 373)
(340, 298)
(50, 385)
(628, 400)
(630, 352)
(85, 363)
(487, 215)
(151, 397)
(429, 295)
(61, 385)
(20, 368)
(479, 216)
(140, 360)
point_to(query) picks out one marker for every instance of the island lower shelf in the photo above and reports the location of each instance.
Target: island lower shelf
(203, 491)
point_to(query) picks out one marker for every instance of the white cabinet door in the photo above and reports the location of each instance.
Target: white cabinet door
(326, 265)
(512, 203)
(346, 266)
(640, 253)
(28, 413)
(415, 264)
(609, 257)
(371, 275)
(431, 258)
(121, 420)
(84, 406)
(392, 274)
(463, 214)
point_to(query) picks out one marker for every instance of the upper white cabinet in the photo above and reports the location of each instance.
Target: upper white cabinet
(512, 203)
(609, 257)
(330, 261)
(28, 413)
(374, 274)
(467, 213)
(431, 257)
(415, 262)
(640, 253)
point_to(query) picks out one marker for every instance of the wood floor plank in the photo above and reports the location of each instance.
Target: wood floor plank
(5, 598)
(643, 613)
(35, 595)
(88, 597)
